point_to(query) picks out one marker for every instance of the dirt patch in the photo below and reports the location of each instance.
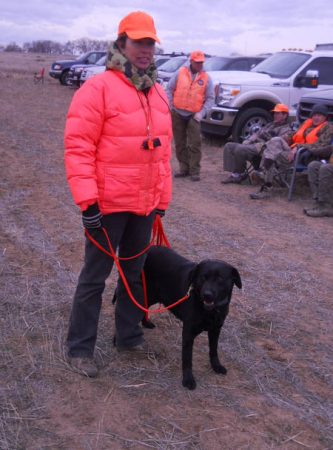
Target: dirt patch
(276, 342)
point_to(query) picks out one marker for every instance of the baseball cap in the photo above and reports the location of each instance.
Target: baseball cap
(138, 25)
(197, 56)
(280, 107)
(320, 109)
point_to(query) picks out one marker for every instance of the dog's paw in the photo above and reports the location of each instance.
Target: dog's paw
(189, 382)
(218, 368)
(147, 323)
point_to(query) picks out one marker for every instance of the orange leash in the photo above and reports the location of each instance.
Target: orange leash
(159, 238)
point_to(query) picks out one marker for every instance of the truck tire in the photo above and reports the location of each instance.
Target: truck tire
(64, 78)
(248, 122)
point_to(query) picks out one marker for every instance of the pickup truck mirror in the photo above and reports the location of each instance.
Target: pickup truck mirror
(309, 80)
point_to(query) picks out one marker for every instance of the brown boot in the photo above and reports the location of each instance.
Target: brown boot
(321, 210)
(263, 193)
(195, 177)
(84, 366)
(181, 174)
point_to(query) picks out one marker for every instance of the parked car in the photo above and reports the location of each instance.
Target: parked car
(307, 102)
(161, 59)
(245, 99)
(213, 63)
(166, 70)
(75, 72)
(231, 63)
(59, 69)
(100, 67)
(91, 71)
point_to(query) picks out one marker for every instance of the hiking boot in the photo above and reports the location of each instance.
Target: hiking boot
(181, 174)
(257, 177)
(263, 193)
(84, 366)
(320, 211)
(140, 349)
(195, 177)
(235, 178)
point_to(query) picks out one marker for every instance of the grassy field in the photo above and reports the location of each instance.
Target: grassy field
(276, 342)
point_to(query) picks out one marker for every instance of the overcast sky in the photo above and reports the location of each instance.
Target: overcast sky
(215, 26)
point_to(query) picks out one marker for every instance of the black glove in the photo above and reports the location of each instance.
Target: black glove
(92, 217)
(160, 212)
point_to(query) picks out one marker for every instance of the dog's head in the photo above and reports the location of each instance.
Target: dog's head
(213, 281)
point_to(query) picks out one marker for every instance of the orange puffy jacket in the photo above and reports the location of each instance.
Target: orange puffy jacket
(189, 94)
(104, 158)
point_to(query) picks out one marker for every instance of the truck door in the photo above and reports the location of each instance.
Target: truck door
(324, 66)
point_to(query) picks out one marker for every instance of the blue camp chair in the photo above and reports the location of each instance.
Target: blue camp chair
(297, 167)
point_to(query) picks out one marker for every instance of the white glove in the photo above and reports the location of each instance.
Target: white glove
(197, 116)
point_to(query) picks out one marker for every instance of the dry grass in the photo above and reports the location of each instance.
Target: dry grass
(276, 343)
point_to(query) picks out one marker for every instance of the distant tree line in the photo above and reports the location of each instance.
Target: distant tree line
(77, 46)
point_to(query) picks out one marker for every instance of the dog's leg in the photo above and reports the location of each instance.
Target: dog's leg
(213, 338)
(187, 350)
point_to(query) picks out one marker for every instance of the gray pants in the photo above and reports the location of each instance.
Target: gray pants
(320, 178)
(235, 156)
(130, 234)
(187, 137)
(276, 150)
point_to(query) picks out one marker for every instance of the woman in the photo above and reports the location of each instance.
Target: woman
(118, 148)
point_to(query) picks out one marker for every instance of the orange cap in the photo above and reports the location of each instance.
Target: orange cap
(197, 56)
(138, 25)
(280, 107)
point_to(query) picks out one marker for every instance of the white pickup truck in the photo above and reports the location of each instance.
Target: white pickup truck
(244, 99)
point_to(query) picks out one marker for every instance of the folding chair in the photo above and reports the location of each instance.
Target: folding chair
(39, 77)
(287, 177)
(252, 165)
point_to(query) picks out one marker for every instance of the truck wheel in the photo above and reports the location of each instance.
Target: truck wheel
(248, 122)
(64, 78)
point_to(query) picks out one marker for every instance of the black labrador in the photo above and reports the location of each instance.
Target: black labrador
(169, 276)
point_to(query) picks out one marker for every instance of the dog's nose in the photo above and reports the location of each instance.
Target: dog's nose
(208, 299)
(208, 296)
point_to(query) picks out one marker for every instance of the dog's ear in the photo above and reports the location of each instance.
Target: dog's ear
(236, 278)
(193, 274)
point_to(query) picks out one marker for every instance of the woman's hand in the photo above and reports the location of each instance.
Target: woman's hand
(92, 217)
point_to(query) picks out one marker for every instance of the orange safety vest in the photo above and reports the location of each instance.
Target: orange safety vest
(300, 137)
(189, 94)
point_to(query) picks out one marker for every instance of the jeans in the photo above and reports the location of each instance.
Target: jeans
(130, 234)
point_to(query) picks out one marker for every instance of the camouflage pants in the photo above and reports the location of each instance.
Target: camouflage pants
(235, 156)
(187, 137)
(320, 178)
(276, 150)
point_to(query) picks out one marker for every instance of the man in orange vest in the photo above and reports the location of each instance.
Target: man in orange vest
(314, 135)
(191, 95)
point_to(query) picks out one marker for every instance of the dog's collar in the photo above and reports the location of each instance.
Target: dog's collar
(190, 289)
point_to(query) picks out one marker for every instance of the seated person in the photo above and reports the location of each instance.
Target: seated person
(320, 176)
(314, 135)
(235, 155)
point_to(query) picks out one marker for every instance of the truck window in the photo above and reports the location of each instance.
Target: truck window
(240, 64)
(324, 67)
(281, 64)
(216, 63)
